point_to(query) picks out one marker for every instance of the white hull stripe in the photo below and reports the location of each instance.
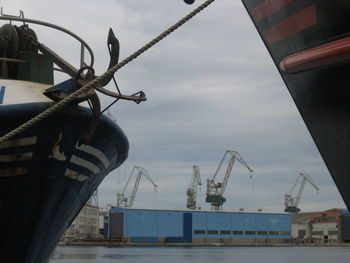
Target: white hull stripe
(86, 164)
(95, 152)
(19, 142)
(13, 172)
(75, 176)
(15, 157)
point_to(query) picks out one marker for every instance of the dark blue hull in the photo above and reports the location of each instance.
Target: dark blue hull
(48, 173)
(294, 28)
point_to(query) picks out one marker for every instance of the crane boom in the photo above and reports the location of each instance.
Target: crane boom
(215, 191)
(134, 190)
(192, 189)
(291, 204)
(123, 201)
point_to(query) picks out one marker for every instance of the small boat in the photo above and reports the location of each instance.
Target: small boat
(310, 45)
(49, 170)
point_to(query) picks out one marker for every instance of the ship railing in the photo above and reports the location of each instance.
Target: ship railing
(83, 45)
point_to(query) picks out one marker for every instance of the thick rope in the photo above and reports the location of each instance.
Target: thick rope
(108, 74)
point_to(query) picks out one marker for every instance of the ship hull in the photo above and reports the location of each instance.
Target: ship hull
(48, 173)
(318, 88)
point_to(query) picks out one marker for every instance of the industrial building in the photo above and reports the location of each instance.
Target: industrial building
(195, 226)
(327, 226)
(85, 225)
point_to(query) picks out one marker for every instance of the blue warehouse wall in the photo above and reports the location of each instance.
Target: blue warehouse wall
(140, 224)
(204, 224)
(170, 223)
(153, 223)
(241, 225)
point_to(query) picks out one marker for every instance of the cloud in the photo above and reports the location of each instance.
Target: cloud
(211, 86)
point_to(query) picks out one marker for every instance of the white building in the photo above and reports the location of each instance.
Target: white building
(85, 225)
(318, 226)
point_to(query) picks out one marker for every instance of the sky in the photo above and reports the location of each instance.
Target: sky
(211, 86)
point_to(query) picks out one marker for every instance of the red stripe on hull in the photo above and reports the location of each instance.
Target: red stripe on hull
(292, 25)
(267, 8)
(332, 53)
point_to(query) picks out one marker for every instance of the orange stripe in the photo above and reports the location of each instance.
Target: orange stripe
(292, 25)
(13, 172)
(268, 7)
(330, 54)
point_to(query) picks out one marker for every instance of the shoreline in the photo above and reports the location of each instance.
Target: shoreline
(122, 244)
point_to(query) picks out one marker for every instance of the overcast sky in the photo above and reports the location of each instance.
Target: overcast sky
(211, 86)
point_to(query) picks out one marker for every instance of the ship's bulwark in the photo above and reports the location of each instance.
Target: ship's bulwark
(47, 174)
(322, 95)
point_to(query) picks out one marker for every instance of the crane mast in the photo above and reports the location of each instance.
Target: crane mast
(192, 189)
(122, 200)
(291, 203)
(215, 190)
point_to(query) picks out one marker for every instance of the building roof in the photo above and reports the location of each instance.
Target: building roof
(195, 211)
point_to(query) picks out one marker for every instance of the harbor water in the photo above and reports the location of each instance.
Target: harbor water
(200, 254)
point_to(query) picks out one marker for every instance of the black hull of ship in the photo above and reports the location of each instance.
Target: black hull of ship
(321, 93)
(48, 173)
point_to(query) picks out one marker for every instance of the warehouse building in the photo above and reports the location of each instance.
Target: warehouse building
(332, 225)
(190, 226)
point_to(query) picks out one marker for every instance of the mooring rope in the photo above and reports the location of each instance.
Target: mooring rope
(108, 74)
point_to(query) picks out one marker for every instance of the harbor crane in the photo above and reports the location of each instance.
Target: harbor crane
(122, 200)
(215, 191)
(192, 188)
(291, 203)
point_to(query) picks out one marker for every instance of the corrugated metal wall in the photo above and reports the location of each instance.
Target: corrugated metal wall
(151, 223)
(241, 225)
(177, 225)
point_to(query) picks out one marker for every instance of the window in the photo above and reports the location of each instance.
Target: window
(249, 232)
(235, 232)
(213, 232)
(285, 233)
(332, 232)
(301, 233)
(262, 233)
(273, 233)
(225, 232)
(199, 232)
(317, 233)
